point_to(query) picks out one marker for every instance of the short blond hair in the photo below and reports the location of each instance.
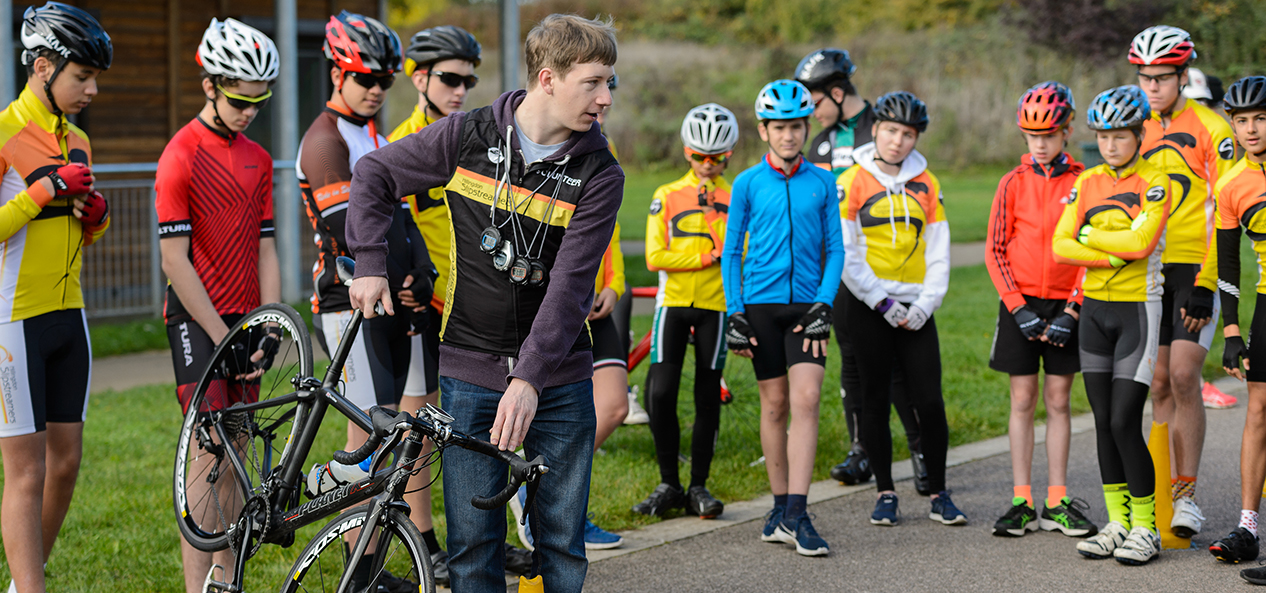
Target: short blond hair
(561, 41)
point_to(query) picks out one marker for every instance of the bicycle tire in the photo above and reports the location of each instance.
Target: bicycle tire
(206, 517)
(323, 561)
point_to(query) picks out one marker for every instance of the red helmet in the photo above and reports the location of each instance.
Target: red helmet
(1162, 45)
(1045, 108)
(358, 43)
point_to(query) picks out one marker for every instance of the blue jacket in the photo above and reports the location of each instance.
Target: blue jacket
(788, 224)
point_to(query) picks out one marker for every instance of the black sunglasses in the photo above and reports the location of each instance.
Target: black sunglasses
(455, 80)
(368, 80)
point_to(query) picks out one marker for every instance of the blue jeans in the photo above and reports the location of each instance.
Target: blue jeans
(563, 431)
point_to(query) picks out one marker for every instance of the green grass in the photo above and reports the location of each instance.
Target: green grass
(113, 338)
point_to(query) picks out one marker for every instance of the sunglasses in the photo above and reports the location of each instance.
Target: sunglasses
(715, 159)
(369, 81)
(242, 102)
(455, 80)
(1160, 78)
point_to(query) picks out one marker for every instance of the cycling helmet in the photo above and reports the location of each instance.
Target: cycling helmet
(783, 99)
(614, 83)
(710, 129)
(68, 31)
(1045, 108)
(446, 42)
(823, 67)
(233, 49)
(1118, 108)
(1161, 45)
(1197, 86)
(358, 43)
(904, 108)
(1246, 94)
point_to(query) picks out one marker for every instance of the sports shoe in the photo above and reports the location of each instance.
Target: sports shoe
(1068, 517)
(701, 502)
(1187, 518)
(1214, 398)
(1239, 546)
(390, 583)
(663, 499)
(1103, 544)
(803, 536)
(1139, 548)
(772, 519)
(518, 560)
(517, 502)
(637, 414)
(921, 483)
(1257, 576)
(1020, 519)
(885, 511)
(854, 470)
(439, 568)
(943, 510)
(597, 538)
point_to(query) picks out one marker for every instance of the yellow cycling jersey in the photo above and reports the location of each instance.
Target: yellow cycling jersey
(1194, 151)
(42, 239)
(611, 271)
(1127, 211)
(895, 225)
(430, 214)
(684, 243)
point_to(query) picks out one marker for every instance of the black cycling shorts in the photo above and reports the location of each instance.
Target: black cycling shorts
(377, 365)
(45, 366)
(608, 346)
(1180, 280)
(191, 350)
(777, 347)
(1120, 338)
(1014, 354)
(424, 360)
(1257, 342)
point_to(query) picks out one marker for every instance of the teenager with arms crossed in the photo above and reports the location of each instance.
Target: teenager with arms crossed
(1114, 226)
(781, 260)
(48, 213)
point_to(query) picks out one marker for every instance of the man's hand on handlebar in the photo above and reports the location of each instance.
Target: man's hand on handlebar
(367, 291)
(514, 415)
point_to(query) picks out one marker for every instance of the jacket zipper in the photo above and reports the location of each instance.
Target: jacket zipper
(791, 243)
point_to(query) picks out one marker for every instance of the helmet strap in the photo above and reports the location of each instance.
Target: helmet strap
(427, 97)
(48, 87)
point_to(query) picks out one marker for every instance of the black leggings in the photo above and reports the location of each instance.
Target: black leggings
(1123, 454)
(920, 351)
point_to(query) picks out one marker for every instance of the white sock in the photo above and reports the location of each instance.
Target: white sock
(1248, 520)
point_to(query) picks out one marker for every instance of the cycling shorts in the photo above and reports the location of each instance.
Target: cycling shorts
(424, 361)
(1014, 354)
(45, 371)
(191, 350)
(1257, 342)
(1121, 338)
(378, 362)
(608, 346)
(674, 327)
(1180, 280)
(777, 348)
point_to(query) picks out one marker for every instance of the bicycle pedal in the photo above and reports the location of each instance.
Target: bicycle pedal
(211, 585)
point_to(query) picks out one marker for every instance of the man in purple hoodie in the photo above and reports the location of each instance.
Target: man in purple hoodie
(533, 193)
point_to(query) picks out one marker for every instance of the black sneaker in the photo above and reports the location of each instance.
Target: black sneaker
(921, 483)
(1019, 520)
(854, 470)
(1239, 546)
(701, 502)
(390, 583)
(1069, 518)
(439, 567)
(663, 499)
(518, 560)
(1257, 576)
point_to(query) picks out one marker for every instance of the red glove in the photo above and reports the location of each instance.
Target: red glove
(95, 209)
(74, 179)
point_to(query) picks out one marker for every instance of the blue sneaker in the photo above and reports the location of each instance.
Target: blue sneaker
(516, 506)
(943, 510)
(772, 519)
(885, 511)
(597, 538)
(803, 536)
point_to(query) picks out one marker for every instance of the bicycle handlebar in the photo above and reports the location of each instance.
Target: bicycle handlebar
(384, 422)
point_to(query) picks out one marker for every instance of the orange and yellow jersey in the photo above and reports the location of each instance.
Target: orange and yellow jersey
(684, 243)
(1194, 151)
(1127, 211)
(41, 241)
(430, 214)
(1241, 203)
(611, 272)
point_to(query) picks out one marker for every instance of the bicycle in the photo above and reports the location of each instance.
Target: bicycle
(238, 470)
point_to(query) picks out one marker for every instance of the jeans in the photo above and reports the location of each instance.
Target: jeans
(562, 431)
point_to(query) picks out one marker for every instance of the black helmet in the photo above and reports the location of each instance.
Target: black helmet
(446, 42)
(823, 67)
(1245, 94)
(358, 43)
(68, 31)
(904, 108)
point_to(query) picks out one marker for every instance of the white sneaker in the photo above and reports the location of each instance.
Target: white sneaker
(1187, 518)
(1103, 544)
(1139, 548)
(636, 415)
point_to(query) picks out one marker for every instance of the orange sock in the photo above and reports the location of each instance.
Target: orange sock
(1055, 494)
(1025, 492)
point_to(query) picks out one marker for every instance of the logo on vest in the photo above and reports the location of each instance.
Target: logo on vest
(557, 175)
(494, 155)
(824, 148)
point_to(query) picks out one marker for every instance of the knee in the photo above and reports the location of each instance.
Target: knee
(1024, 403)
(1186, 379)
(1058, 405)
(25, 477)
(1126, 430)
(64, 468)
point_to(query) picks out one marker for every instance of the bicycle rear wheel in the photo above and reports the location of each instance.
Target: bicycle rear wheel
(400, 554)
(209, 488)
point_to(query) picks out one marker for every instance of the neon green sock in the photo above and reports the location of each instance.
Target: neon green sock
(1117, 500)
(1143, 512)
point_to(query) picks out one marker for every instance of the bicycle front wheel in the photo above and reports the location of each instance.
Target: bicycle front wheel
(399, 562)
(223, 457)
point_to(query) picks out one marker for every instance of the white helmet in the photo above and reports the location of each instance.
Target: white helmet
(234, 49)
(710, 129)
(1162, 44)
(1197, 86)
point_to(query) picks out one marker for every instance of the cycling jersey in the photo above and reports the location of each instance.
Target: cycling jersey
(430, 214)
(42, 241)
(683, 243)
(218, 191)
(832, 149)
(1241, 202)
(1027, 207)
(786, 222)
(611, 271)
(896, 239)
(1110, 201)
(1194, 150)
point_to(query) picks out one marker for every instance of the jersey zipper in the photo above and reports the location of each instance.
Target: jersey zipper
(791, 243)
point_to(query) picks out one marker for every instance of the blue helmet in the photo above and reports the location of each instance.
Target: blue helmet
(1118, 108)
(783, 99)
